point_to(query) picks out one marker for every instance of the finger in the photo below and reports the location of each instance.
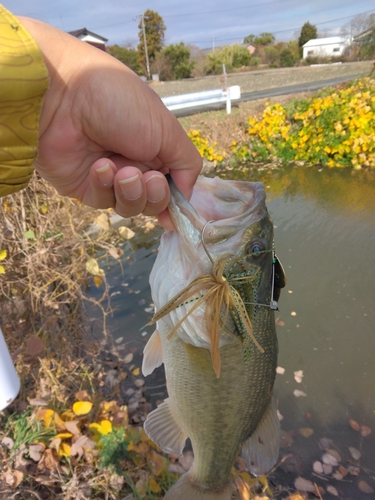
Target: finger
(99, 193)
(130, 192)
(157, 192)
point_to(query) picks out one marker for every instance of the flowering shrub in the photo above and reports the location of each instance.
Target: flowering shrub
(335, 128)
(205, 150)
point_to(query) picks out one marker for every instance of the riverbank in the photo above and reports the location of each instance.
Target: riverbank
(265, 79)
(73, 433)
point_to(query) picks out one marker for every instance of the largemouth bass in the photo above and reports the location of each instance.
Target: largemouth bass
(215, 284)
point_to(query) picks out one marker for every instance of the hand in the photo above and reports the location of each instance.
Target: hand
(105, 137)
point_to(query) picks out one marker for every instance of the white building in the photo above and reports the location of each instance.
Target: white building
(332, 46)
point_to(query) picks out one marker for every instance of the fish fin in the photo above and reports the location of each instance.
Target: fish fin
(261, 450)
(152, 354)
(185, 489)
(162, 428)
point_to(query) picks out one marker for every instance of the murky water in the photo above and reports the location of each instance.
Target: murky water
(325, 238)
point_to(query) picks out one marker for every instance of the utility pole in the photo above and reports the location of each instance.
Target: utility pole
(142, 17)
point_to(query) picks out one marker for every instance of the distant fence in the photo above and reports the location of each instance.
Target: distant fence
(196, 99)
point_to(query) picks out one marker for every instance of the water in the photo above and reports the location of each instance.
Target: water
(325, 238)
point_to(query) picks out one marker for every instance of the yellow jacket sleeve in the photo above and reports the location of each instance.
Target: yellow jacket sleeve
(23, 83)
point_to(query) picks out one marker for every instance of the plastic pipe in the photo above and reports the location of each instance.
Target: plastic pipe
(9, 381)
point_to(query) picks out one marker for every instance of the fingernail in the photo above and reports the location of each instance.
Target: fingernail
(105, 175)
(131, 188)
(156, 189)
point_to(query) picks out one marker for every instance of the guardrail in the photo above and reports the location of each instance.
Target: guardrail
(196, 99)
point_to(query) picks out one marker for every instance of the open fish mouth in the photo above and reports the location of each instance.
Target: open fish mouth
(228, 208)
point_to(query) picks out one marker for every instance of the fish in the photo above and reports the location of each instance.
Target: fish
(215, 285)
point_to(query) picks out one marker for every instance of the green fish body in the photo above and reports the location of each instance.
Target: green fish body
(231, 410)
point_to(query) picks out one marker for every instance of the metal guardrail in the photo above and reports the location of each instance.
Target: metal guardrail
(196, 99)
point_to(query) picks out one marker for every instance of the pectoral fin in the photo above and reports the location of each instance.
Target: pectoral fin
(152, 354)
(261, 450)
(162, 427)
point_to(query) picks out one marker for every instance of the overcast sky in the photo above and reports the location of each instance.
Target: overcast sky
(203, 23)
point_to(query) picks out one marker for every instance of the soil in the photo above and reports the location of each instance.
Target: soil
(264, 79)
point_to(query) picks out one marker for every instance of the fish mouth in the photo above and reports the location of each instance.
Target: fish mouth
(219, 208)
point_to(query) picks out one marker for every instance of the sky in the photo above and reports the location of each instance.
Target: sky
(205, 23)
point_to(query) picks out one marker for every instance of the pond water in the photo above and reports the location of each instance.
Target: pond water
(325, 238)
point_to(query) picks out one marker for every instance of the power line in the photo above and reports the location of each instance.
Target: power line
(288, 29)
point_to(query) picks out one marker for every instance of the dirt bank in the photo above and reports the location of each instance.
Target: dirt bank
(264, 79)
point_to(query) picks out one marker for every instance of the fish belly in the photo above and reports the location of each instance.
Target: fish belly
(219, 414)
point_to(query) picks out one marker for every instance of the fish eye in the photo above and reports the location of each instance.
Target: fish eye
(256, 250)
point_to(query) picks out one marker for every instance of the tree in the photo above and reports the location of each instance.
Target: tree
(264, 38)
(308, 32)
(154, 30)
(179, 58)
(126, 55)
(286, 58)
(249, 39)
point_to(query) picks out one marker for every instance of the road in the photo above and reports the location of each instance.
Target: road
(262, 94)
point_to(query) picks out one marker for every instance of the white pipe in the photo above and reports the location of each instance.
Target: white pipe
(9, 382)
(195, 99)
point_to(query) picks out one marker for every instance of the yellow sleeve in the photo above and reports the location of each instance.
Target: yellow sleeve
(23, 83)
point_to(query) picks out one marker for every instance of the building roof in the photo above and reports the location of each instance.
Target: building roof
(325, 41)
(84, 32)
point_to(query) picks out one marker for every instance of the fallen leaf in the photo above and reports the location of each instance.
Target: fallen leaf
(98, 281)
(298, 376)
(156, 461)
(2, 270)
(3, 254)
(356, 454)
(332, 490)
(280, 370)
(72, 427)
(365, 487)
(327, 469)
(293, 313)
(153, 485)
(116, 253)
(139, 382)
(279, 322)
(38, 402)
(329, 459)
(343, 471)
(335, 454)
(7, 442)
(48, 461)
(82, 407)
(318, 467)
(126, 233)
(299, 394)
(337, 475)
(77, 448)
(14, 478)
(306, 432)
(128, 358)
(46, 415)
(92, 267)
(324, 443)
(36, 451)
(136, 371)
(304, 485)
(34, 346)
(354, 425)
(102, 221)
(82, 396)
(64, 450)
(365, 431)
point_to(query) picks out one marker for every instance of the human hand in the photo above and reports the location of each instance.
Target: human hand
(105, 137)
